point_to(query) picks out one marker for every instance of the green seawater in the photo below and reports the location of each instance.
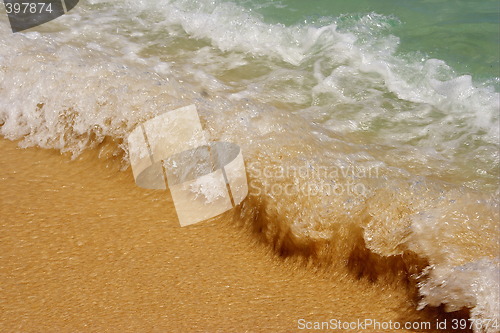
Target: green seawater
(463, 33)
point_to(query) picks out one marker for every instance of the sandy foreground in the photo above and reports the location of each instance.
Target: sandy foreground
(82, 248)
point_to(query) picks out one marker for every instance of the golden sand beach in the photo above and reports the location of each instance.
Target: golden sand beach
(83, 249)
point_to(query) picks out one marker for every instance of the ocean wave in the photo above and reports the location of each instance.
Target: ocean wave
(356, 155)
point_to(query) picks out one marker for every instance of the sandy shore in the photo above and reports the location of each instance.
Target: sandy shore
(84, 249)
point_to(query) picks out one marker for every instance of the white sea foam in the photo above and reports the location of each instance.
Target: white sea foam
(470, 285)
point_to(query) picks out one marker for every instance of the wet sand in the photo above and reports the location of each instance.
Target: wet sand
(83, 249)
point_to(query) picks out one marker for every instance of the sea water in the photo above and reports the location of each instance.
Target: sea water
(363, 124)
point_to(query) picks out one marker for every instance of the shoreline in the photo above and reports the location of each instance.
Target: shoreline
(85, 249)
